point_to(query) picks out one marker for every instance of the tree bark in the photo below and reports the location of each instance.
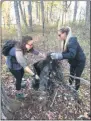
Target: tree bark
(63, 18)
(75, 11)
(22, 15)
(4, 22)
(8, 16)
(66, 7)
(39, 11)
(0, 33)
(30, 15)
(87, 20)
(51, 10)
(59, 17)
(47, 14)
(17, 20)
(36, 10)
(24, 10)
(42, 11)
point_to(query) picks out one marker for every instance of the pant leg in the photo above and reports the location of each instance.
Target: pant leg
(78, 71)
(72, 72)
(18, 74)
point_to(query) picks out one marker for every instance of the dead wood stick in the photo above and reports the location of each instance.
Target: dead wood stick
(86, 82)
(54, 98)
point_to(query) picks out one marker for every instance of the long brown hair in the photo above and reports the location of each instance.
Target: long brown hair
(22, 45)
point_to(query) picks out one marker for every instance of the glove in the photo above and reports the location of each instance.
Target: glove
(56, 56)
(42, 55)
(36, 76)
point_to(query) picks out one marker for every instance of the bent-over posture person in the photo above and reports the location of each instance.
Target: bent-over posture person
(17, 63)
(73, 52)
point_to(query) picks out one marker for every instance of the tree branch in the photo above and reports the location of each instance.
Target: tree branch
(54, 97)
(86, 82)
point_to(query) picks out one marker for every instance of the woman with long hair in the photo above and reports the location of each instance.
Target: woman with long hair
(17, 63)
(72, 51)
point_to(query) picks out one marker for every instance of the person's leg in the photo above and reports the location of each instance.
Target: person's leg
(18, 74)
(72, 72)
(79, 70)
(19, 79)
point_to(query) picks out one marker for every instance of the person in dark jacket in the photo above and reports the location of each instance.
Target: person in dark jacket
(17, 63)
(72, 51)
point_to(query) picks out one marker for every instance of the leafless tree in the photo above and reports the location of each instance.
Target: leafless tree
(87, 12)
(17, 20)
(30, 15)
(75, 11)
(42, 11)
(23, 15)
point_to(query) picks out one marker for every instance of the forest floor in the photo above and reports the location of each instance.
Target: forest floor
(64, 106)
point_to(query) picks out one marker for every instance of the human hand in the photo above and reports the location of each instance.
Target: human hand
(42, 55)
(37, 77)
(56, 56)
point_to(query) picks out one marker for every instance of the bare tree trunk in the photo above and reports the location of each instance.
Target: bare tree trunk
(87, 20)
(4, 22)
(30, 15)
(80, 15)
(47, 13)
(17, 20)
(75, 11)
(51, 10)
(39, 11)
(0, 32)
(59, 17)
(64, 10)
(63, 18)
(22, 15)
(24, 12)
(8, 19)
(36, 10)
(42, 11)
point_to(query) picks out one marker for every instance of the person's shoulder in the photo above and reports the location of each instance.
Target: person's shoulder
(17, 48)
(73, 38)
(72, 41)
(12, 49)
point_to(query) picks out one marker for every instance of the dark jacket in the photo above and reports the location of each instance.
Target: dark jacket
(74, 52)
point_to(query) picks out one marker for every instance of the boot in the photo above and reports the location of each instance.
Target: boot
(19, 95)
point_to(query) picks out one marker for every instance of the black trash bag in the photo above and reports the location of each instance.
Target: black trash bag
(45, 69)
(35, 84)
(38, 67)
